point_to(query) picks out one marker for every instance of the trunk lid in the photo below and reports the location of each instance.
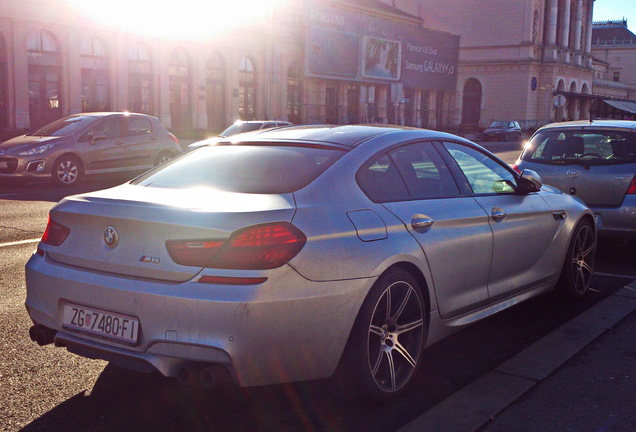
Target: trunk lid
(146, 217)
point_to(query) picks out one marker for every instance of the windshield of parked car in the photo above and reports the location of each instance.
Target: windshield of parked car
(261, 169)
(498, 124)
(65, 126)
(236, 129)
(585, 147)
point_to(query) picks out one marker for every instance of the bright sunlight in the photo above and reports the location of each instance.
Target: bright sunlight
(180, 19)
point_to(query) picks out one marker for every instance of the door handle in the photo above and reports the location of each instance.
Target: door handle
(421, 223)
(498, 214)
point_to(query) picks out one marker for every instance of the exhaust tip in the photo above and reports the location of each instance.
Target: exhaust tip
(42, 335)
(185, 376)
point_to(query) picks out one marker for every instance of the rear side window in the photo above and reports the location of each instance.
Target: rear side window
(138, 126)
(591, 147)
(246, 169)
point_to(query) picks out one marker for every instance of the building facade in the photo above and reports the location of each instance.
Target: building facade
(55, 60)
(516, 56)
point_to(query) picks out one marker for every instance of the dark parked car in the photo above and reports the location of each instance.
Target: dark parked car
(503, 131)
(91, 143)
(596, 161)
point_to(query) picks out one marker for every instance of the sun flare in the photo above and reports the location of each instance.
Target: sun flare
(186, 18)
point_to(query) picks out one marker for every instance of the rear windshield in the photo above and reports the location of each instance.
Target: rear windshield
(587, 147)
(246, 169)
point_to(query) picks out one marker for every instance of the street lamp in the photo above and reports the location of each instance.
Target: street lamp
(545, 109)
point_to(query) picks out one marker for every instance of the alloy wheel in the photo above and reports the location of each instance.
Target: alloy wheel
(395, 336)
(582, 262)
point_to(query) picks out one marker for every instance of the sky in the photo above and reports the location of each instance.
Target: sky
(616, 10)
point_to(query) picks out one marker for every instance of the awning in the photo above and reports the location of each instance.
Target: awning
(628, 106)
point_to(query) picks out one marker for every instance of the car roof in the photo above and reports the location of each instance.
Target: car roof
(348, 136)
(109, 113)
(591, 124)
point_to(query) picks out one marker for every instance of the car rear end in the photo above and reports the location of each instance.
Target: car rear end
(190, 267)
(594, 161)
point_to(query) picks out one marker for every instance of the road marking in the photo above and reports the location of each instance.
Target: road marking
(21, 242)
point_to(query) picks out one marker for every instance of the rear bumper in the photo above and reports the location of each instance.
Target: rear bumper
(286, 329)
(618, 221)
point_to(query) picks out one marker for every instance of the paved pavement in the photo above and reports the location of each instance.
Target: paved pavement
(579, 378)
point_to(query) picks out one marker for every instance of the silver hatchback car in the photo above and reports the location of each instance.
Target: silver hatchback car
(596, 161)
(83, 144)
(298, 252)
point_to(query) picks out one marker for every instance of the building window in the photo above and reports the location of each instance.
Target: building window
(179, 76)
(247, 89)
(4, 97)
(215, 93)
(616, 76)
(95, 81)
(44, 75)
(294, 93)
(140, 79)
(353, 103)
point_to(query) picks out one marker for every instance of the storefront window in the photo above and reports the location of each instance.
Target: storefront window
(179, 75)
(4, 97)
(215, 93)
(44, 76)
(294, 93)
(95, 80)
(140, 79)
(247, 89)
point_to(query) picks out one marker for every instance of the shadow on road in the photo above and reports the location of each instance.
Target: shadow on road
(123, 400)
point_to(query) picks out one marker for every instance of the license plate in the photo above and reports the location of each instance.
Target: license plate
(100, 323)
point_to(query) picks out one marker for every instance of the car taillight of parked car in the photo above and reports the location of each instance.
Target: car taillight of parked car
(55, 233)
(258, 247)
(632, 187)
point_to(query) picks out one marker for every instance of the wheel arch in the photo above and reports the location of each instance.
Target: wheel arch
(414, 271)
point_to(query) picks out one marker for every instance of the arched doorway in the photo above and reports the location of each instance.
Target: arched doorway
(294, 93)
(45, 83)
(471, 103)
(247, 89)
(179, 70)
(215, 93)
(95, 80)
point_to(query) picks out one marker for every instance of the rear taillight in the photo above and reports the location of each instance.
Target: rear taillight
(173, 138)
(632, 187)
(255, 248)
(55, 233)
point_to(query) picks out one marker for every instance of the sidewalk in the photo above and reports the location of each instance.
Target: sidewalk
(579, 378)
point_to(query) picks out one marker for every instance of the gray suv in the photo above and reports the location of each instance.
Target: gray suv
(594, 160)
(83, 144)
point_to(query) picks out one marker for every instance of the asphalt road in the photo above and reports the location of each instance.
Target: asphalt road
(49, 389)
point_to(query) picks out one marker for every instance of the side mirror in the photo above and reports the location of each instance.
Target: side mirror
(98, 136)
(530, 181)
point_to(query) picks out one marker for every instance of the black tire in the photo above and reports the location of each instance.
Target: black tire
(385, 347)
(162, 158)
(578, 267)
(66, 171)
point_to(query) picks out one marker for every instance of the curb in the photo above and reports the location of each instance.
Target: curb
(479, 402)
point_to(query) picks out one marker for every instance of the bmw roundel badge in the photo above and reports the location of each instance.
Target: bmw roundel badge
(111, 237)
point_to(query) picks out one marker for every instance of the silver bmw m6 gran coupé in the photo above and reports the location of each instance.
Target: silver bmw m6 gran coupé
(300, 252)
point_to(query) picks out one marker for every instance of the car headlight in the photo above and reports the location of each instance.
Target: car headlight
(37, 150)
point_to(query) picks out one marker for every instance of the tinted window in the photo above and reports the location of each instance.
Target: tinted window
(589, 147)
(382, 182)
(138, 126)
(247, 169)
(414, 171)
(484, 174)
(108, 128)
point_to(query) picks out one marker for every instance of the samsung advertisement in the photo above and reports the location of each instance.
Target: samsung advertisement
(357, 47)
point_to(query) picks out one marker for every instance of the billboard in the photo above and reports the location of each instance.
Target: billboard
(358, 47)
